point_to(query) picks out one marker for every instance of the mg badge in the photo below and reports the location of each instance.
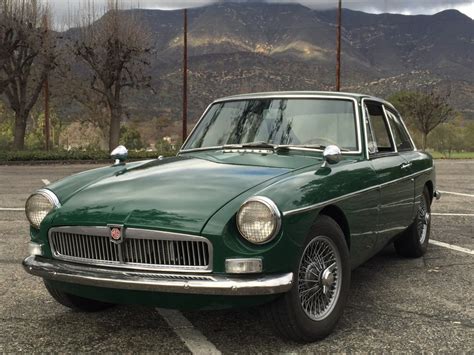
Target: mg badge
(116, 233)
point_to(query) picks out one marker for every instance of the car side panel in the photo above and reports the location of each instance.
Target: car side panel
(353, 181)
(421, 161)
(396, 197)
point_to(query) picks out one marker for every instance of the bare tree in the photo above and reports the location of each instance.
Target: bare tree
(114, 51)
(26, 57)
(425, 111)
(8, 45)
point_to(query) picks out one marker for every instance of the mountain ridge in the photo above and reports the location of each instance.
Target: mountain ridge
(246, 46)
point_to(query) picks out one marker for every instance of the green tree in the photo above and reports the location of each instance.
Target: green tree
(35, 138)
(469, 137)
(448, 137)
(6, 128)
(164, 147)
(131, 138)
(424, 111)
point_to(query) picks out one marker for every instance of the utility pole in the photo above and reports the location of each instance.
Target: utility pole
(46, 94)
(338, 50)
(46, 114)
(185, 76)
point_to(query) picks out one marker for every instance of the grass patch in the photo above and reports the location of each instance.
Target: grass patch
(453, 155)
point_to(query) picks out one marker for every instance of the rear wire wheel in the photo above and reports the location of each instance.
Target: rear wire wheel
(413, 243)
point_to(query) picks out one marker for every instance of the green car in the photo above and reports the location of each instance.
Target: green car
(273, 199)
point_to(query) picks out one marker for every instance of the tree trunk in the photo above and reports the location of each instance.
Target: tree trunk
(114, 132)
(20, 130)
(424, 137)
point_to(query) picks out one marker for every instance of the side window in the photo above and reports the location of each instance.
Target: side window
(378, 131)
(402, 140)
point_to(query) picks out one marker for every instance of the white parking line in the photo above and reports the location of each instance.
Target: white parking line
(196, 342)
(453, 247)
(453, 214)
(456, 193)
(12, 209)
(45, 181)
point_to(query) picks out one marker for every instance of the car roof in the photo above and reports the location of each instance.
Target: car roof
(276, 94)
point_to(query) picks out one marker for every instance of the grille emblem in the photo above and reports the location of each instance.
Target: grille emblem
(117, 234)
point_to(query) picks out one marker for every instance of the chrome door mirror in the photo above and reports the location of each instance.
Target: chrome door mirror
(119, 154)
(332, 154)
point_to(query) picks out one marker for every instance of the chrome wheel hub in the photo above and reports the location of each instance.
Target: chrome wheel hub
(319, 280)
(327, 279)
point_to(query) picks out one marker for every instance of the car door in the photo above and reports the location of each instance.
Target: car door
(403, 143)
(396, 188)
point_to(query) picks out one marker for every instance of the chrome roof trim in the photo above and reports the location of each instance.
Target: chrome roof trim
(292, 94)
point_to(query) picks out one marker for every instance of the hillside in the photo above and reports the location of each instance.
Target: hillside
(245, 47)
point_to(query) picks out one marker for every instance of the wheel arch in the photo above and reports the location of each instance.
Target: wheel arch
(339, 217)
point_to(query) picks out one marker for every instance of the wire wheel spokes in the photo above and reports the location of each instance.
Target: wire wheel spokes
(423, 220)
(319, 278)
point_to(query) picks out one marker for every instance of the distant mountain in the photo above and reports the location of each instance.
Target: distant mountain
(246, 47)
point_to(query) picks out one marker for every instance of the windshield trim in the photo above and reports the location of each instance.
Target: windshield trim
(286, 96)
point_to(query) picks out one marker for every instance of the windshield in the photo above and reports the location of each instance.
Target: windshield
(287, 122)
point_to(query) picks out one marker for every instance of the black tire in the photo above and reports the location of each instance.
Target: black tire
(75, 302)
(287, 314)
(413, 243)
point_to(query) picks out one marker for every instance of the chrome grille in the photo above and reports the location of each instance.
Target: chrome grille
(140, 249)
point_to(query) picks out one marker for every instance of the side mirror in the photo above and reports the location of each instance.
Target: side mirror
(119, 154)
(332, 155)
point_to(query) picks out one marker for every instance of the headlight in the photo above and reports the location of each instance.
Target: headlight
(258, 220)
(39, 205)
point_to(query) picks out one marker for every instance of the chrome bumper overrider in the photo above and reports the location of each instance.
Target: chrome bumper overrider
(158, 282)
(437, 194)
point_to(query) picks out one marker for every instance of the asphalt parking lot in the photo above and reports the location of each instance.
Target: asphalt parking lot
(396, 304)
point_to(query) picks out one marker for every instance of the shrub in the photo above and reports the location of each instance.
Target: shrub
(72, 155)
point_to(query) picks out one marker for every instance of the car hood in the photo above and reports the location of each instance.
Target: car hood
(178, 194)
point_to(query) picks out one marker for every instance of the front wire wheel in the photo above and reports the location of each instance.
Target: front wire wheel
(312, 308)
(75, 302)
(318, 278)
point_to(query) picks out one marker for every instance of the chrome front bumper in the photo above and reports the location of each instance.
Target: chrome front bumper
(157, 282)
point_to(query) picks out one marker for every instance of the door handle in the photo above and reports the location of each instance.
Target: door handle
(406, 166)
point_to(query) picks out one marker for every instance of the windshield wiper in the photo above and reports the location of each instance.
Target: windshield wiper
(312, 146)
(262, 144)
(275, 147)
(258, 145)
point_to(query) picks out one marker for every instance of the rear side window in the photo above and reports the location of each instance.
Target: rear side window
(400, 135)
(378, 130)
